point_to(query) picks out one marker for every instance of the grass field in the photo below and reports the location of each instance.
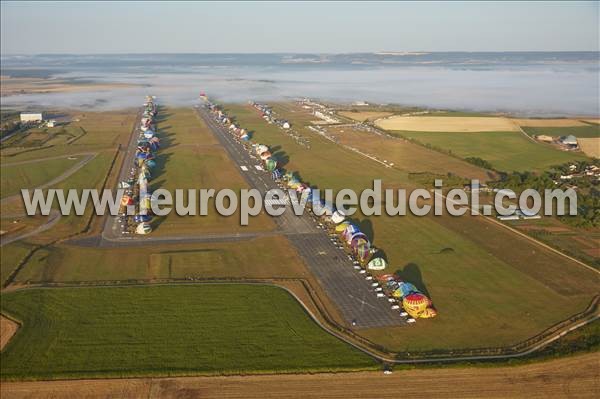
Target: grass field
(583, 244)
(408, 156)
(31, 175)
(168, 330)
(191, 158)
(507, 151)
(491, 288)
(453, 124)
(583, 131)
(258, 258)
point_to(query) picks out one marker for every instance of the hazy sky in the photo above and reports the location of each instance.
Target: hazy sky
(155, 27)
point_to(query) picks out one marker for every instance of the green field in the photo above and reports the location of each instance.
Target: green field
(191, 158)
(506, 151)
(577, 131)
(31, 175)
(168, 330)
(491, 288)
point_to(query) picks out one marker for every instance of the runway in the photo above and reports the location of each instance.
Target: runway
(353, 295)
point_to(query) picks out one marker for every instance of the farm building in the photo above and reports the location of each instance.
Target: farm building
(32, 116)
(569, 140)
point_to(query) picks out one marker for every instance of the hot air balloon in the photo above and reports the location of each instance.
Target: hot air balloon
(341, 227)
(260, 148)
(271, 164)
(143, 228)
(377, 264)
(151, 163)
(126, 200)
(276, 174)
(338, 217)
(415, 304)
(142, 218)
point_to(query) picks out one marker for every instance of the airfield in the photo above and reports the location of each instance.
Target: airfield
(280, 295)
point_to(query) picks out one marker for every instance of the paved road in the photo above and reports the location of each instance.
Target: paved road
(353, 295)
(112, 228)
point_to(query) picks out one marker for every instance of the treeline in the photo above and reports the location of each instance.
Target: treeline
(482, 163)
(587, 188)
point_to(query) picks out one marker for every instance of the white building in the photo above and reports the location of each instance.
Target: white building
(51, 123)
(32, 116)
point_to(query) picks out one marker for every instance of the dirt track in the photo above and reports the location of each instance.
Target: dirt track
(577, 377)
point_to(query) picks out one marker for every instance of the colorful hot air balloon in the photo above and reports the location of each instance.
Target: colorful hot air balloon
(126, 200)
(338, 217)
(415, 304)
(377, 264)
(143, 228)
(341, 227)
(271, 164)
(151, 163)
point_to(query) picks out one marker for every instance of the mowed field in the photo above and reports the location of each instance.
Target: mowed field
(191, 158)
(104, 132)
(575, 377)
(31, 175)
(447, 124)
(406, 155)
(167, 330)
(490, 286)
(256, 258)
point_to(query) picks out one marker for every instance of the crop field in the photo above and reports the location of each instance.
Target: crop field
(506, 151)
(172, 330)
(575, 375)
(454, 124)
(191, 158)
(257, 258)
(488, 291)
(590, 146)
(580, 131)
